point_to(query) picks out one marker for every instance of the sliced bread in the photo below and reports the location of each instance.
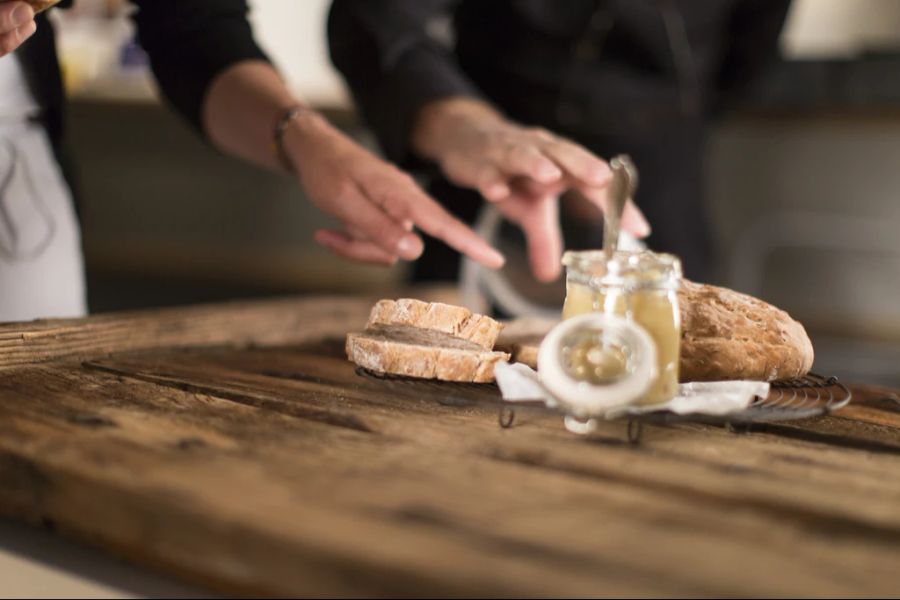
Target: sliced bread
(455, 321)
(428, 340)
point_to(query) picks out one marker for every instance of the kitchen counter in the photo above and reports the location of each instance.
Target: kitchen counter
(234, 447)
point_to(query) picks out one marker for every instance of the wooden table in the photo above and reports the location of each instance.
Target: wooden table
(235, 447)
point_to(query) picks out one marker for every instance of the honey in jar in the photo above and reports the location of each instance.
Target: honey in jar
(640, 286)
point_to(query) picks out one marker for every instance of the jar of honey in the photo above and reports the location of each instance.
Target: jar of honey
(641, 287)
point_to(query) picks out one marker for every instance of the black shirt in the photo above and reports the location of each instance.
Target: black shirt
(637, 76)
(604, 65)
(189, 42)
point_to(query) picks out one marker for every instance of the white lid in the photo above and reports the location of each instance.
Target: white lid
(588, 399)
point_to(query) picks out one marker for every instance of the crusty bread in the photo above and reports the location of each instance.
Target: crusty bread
(728, 335)
(724, 335)
(455, 321)
(521, 338)
(41, 5)
(422, 353)
(428, 340)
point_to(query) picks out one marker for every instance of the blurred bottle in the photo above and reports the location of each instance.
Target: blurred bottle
(98, 52)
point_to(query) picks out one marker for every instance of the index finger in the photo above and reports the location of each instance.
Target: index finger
(408, 202)
(578, 162)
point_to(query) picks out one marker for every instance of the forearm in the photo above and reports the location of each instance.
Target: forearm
(241, 109)
(377, 204)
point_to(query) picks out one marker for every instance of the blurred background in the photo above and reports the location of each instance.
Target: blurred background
(802, 180)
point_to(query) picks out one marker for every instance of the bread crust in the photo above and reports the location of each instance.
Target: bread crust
(729, 335)
(453, 320)
(429, 340)
(377, 351)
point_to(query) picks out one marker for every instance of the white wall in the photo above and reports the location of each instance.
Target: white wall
(293, 32)
(841, 27)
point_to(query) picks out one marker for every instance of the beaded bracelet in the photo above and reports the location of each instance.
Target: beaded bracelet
(278, 134)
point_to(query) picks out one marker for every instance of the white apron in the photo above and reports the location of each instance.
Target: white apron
(41, 265)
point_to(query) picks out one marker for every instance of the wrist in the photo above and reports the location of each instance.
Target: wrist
(442, 121)
(299, 136)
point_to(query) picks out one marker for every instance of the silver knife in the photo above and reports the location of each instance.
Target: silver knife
(622, 187)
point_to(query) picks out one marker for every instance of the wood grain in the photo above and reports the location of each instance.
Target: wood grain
(260, 323)
(236, 495)
(280, 471)
(241, 323)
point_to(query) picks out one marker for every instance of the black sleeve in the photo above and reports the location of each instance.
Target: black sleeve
(393, 64)
(754, 30)
(189, 42)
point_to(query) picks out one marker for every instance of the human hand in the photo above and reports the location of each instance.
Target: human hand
(523, 170)
(16, 25)
(377, 204)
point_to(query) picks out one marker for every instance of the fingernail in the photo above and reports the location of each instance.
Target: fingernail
(410, 247)
(497, 192)
(599, 174)
(496, 259)
(550, 272)
(26, 31)
(21, 15)
(643, 227)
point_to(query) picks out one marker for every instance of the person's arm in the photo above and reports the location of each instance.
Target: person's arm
(377, 203)
(16, 25)
(212, 71)
(421, 105)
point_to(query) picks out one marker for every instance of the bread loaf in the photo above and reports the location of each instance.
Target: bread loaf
(728, 335)
(724, 335)
(429, 340)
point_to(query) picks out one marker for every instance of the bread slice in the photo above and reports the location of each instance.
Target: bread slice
(455, 321)
(430, 340)
(724, 335)
(425, 353)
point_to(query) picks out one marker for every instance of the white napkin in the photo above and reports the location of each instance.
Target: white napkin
(520, 383)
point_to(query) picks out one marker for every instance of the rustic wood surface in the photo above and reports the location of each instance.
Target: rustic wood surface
(236, 447)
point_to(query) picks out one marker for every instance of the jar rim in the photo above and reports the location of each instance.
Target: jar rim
(633, 269)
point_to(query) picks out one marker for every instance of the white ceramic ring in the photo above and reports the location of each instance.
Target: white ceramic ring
(584, 399)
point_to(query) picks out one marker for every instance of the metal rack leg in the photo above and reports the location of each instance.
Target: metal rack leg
(635, 431)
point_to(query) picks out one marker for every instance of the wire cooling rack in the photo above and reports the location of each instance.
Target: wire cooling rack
(801, 398)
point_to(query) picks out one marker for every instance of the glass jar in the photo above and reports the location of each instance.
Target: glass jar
(582, 268)
(596, 364)
(640, 286)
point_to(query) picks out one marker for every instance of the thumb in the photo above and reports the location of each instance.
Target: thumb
(633, 220)
(542, 230)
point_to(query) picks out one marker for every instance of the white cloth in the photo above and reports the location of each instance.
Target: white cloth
(16, 100)
(41, 265)
(520, 383)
